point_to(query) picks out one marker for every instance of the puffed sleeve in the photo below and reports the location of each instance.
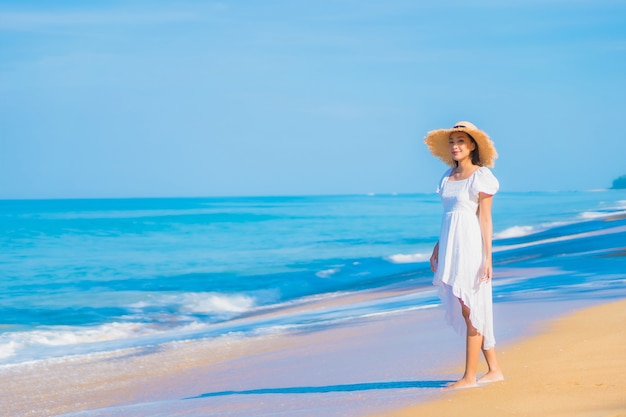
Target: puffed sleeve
(442, 180)
(485, 182)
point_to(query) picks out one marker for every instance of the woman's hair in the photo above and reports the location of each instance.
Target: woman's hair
(475, 155)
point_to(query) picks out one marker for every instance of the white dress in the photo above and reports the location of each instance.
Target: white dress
(461, 253)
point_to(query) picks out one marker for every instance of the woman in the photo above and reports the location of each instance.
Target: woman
(461, 259)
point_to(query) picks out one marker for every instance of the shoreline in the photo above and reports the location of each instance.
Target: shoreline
(574, 367)
(201, 376)
(358, 368)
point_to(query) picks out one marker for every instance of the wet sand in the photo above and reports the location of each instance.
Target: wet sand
(356, 368)
(349, 368)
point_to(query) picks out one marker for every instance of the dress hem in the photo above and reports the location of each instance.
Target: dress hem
(451, 294)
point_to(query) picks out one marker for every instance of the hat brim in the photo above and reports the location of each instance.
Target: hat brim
(437, 142)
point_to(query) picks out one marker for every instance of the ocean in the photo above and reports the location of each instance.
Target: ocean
(79, 277)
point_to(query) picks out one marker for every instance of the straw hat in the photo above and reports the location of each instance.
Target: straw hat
(437, 141)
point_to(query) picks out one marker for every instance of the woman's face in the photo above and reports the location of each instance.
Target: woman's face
(461, 146)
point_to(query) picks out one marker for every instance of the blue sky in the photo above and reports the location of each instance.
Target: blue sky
(201, 98)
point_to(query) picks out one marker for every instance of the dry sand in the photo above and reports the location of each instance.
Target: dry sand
(575, 368)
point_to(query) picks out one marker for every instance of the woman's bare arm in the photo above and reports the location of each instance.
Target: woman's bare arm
(486, 227)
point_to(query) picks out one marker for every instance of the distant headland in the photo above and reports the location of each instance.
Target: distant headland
(619, 183)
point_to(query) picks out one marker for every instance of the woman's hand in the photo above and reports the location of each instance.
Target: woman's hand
(487, 271)
(434, 258)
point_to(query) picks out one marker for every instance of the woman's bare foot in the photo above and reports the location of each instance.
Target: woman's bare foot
(491, 376)
(461, 384)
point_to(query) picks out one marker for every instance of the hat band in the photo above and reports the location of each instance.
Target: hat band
(458, 126)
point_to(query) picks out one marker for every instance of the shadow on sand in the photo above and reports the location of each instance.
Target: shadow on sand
(330, 388)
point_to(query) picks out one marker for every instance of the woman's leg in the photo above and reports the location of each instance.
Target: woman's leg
(473, 347)
(494, 373)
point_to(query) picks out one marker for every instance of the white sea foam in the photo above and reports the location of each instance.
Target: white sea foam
(327, 273)
(12, 342)
(402, 258)
(397, 311)
(515, 231)
(550, 225)
(8, 349)
(237, 303)
(207, 303)
(519, 231)
(187, 304)
(611, 230)
(592, 215)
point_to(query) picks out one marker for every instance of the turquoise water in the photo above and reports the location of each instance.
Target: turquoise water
(80, 276)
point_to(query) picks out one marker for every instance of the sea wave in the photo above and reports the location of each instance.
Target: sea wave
(617, 230)
(402, 258)
(199, 303)
(155, 315)
(327, 273)
(593, 215)
(12, 343)
(211, 303)
(526, 230)
(515, 231)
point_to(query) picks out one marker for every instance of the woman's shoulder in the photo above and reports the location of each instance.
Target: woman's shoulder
(484, 172)
(443, 180)
(485, 181)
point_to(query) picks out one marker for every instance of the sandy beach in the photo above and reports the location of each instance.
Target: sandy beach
(383, 366)
(349, 368)
(576, 367)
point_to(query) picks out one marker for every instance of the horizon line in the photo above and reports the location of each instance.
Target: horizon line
(367, 194)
